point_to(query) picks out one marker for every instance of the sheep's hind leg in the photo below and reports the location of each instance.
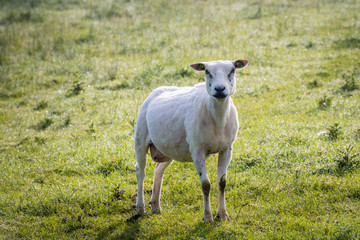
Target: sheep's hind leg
(156, 192)
(140, 152)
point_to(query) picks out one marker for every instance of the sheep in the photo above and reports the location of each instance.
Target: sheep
(188, 124)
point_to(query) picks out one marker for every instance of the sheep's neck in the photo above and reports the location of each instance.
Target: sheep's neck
(219, 111)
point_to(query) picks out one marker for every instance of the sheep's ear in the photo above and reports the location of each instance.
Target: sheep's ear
(240, 63)
(198, 66)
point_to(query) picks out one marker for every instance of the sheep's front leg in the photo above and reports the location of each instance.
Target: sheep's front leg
(223, 163)
(156, 192)
(199, 162)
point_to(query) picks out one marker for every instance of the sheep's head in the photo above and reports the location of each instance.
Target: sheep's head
(220, 76)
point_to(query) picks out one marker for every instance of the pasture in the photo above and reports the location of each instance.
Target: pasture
(75, 73)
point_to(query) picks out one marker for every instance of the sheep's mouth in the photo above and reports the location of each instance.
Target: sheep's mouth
(220, 96)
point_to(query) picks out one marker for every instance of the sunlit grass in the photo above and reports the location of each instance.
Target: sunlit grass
(75, 73)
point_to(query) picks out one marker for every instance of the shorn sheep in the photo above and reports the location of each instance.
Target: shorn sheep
(187, 124)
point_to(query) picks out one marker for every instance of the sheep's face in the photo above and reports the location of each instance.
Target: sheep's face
(220, 77)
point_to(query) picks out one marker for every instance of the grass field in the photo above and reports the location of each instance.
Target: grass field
(75, 73)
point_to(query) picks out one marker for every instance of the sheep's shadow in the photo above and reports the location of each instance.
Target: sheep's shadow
(215, 230)
(200, 230)
(131, 231)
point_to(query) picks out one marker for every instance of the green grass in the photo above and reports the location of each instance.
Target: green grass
(75, 73)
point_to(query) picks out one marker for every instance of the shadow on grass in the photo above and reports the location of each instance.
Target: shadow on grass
(214, 230)
(201, 230)
(131, 231)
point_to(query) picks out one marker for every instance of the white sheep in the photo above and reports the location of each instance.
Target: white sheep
(187, 124)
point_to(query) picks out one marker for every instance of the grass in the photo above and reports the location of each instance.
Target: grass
(75, 73)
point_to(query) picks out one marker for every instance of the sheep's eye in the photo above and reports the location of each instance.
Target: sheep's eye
(232, 71)
(208, 73)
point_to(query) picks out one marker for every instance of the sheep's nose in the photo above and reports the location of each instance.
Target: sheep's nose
(219, 88)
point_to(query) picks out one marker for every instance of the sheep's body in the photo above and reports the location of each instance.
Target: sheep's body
(187, 124)
(179, 120)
